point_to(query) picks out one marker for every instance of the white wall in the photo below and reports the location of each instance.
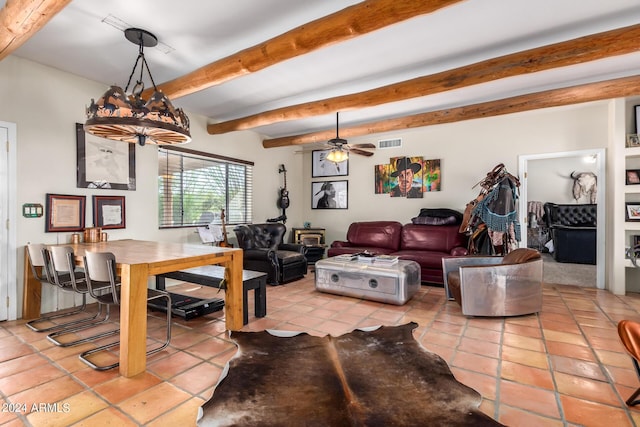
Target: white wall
(558, 171)
(467, 150)
(46, 103)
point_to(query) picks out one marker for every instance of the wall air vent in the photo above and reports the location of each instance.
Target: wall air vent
(390, 143)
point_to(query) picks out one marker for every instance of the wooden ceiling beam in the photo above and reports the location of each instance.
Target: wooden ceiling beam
(577, 51)
(351, 22)
(622, 87)
(20, 19)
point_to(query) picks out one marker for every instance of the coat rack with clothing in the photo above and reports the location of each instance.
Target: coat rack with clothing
(491, 219)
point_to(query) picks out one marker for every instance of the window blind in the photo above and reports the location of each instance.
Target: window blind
(194, 187)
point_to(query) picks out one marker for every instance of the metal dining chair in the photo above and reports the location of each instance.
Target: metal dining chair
(68, 277)
(40, 262)
(100, 271)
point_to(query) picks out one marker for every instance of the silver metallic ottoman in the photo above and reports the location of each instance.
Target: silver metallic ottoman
(394, 284)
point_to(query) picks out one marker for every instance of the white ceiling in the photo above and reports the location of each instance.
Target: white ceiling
(197, 33)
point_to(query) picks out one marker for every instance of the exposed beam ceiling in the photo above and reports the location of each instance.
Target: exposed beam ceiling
(584, 49)
(552, 98)
(284, 68)
(20, 19)
(341, 26)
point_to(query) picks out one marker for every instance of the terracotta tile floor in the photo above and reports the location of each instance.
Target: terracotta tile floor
(562, 367)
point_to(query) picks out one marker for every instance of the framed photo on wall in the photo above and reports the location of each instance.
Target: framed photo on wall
(632, 177)
(64, 213)
(632, 211)
(104, 163)
(329, 195)
(320, 166)
(109, 212)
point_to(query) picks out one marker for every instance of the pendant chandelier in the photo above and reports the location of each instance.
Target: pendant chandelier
(130, 118)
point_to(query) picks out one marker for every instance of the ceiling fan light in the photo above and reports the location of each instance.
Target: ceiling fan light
(132, 119)
(337, 156)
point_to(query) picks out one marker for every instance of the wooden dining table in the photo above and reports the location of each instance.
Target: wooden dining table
(136, 261)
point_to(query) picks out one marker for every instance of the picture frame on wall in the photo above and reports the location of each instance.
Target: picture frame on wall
(64, 213)
(632, 177)
(321, 167)
(632, 212)
(104, 163)
(109, 212)
(330, 195)
(637, 116)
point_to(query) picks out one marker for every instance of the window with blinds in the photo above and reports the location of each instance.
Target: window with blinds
(194, 187)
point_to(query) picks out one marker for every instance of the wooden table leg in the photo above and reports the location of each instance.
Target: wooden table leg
(133, 319)
(233, 294)
(32, 292)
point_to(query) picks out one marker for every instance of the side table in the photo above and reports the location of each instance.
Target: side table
(314, 253)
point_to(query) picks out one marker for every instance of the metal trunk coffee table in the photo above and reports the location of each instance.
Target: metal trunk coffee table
(393, 283)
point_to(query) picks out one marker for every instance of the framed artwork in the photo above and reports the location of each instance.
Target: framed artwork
(104, 163)
(109, 212)
(633, 140)
(320, 166)
(382, 183)
(431, 175)
(637, 115)
(64, 213)
(329, 195)
(632, 177)
(406, 177)
(633, 211)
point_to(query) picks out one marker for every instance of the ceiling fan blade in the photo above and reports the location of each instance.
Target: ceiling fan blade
(361, 152)
(366, 145)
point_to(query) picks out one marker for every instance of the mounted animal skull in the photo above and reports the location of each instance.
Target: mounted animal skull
(585, 184)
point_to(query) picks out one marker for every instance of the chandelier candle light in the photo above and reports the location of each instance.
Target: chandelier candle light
(132, 119)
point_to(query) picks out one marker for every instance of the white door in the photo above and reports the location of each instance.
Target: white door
(599, 154)
(7, 221)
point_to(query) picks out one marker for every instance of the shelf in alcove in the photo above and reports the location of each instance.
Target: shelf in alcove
(628, 225)
(632, 189)
(632, 151)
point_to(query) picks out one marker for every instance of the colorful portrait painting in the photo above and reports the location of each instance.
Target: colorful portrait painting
(406, 177)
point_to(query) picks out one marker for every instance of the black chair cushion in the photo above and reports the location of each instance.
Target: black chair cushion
(288, 257)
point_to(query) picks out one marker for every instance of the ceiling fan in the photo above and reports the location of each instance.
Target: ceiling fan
(340, 148)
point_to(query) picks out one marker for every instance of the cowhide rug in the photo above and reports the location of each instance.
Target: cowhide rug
(380, 377)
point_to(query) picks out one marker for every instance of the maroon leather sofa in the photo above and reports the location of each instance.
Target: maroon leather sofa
(424, 244)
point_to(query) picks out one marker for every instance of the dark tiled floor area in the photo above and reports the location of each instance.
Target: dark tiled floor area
(562, 367)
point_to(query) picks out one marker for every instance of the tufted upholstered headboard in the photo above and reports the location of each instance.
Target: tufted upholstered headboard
(583, 215)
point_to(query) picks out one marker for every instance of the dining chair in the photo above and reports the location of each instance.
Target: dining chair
(100, 271)
(629, 333)
(69, 278)
(39, 259)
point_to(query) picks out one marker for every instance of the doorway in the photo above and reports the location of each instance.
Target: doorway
(8, 222)
(598, 156)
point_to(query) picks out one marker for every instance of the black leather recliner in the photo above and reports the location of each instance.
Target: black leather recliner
(265, 251)
(573, 231)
